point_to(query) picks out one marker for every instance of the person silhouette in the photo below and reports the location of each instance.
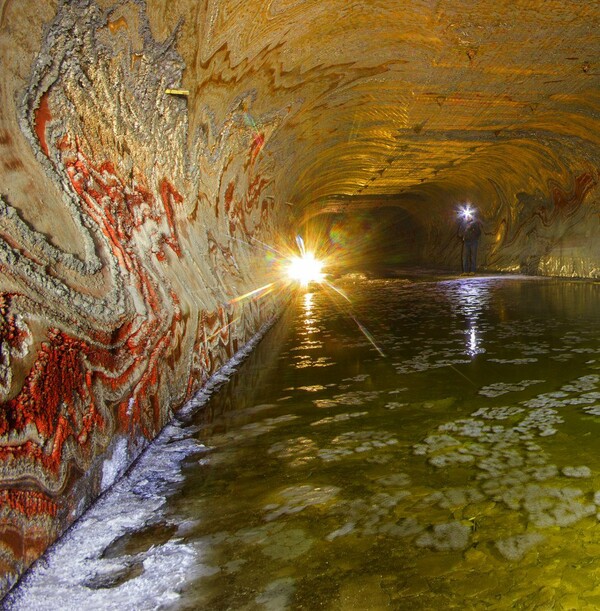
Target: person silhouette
(469, 231)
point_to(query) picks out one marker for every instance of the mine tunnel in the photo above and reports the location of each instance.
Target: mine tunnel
(185, 424)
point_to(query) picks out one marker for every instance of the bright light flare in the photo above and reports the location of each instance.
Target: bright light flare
(306, 269)
(466, 212)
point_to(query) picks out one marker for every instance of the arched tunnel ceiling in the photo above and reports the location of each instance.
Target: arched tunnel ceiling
(383, 97)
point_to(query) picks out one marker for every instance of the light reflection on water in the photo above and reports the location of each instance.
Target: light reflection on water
(460, 471)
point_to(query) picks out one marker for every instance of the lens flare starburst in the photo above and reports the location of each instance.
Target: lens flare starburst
(303, 270)
(306, 269)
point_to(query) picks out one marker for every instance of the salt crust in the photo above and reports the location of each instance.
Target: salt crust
(59, 582)
(513, 361)
(358, 442)
(394, 405)
(577, 472)
(298, 451)
(453, 498)
(375, 515)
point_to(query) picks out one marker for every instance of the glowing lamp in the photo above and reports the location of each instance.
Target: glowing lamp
(466, 212)
(306, 269)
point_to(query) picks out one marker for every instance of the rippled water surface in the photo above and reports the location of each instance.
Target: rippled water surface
(454, 465)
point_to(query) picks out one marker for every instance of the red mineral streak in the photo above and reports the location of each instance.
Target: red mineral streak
(125, 368)
(51, 399)
(168, 194)
(237, 211)
(5, 138)
(42, 116)
(28, 502)
(228, 205)
(257, 144)
(567, 203)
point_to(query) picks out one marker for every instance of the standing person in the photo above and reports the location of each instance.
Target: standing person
(469, 231)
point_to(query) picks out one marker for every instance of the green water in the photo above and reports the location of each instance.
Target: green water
(460, 470)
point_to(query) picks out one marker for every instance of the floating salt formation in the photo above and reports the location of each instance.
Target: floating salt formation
(582, 472)
(513, 361)
(443, 537)
(358, 378)
(514, 548)
(452, 498)
(399, 480)
(298, 498)
(287, 544)
(340, 532)
(277, 595)
(339, 418)
(501, 388)
(357, 442)
(498, 413)
(298, 451)
(394, 405)
(594, 410)
(358, 397)
(253, 429)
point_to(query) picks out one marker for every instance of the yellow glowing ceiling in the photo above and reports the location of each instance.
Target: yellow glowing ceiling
(387, 96)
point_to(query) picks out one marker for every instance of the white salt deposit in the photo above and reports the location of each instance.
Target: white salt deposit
(444, 537)
(277, 595)
(340, 532)
(501, 388)
(593, 410)
(513, 361)
(339, 418)
(498, 413)
(116, 465)
(61, 580)
(394, 405)
(297, 498)
(453, 498)
(358, 442)
(252, 429)
(577, 472)
(515, 548)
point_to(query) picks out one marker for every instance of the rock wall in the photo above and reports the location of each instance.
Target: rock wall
(126, 240)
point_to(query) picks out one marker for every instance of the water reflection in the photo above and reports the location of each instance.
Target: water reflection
(470, 299)
(309, 323)
(391, 481)
(474, 343)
